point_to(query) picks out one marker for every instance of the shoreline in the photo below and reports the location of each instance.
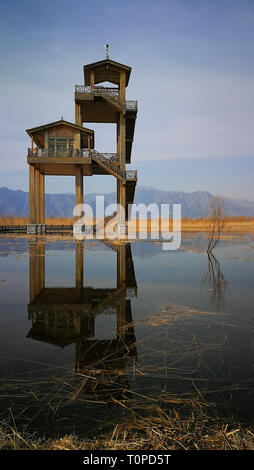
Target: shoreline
(238, 224)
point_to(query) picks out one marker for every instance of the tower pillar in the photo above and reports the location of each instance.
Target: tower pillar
(121, 186)
(37, 196)
(78, 116)
(31, 195)
(42, 198)
(36, 224)
(79, 194)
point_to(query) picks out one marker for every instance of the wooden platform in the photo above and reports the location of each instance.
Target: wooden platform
(23, 228)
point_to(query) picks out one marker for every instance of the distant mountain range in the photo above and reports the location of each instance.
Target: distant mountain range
(196, 204)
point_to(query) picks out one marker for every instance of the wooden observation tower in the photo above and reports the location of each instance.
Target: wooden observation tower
(64, 148)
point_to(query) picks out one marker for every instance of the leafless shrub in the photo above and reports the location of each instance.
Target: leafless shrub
(217, 221)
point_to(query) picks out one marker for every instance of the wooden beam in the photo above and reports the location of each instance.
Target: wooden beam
(37, 196)
(122, 133)
(122, 86)
(31, 195)
(78, 116)
(121, 201)
(79, 196)
(42, 198)
(92, 80)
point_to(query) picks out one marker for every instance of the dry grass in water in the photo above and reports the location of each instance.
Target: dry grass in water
(158, 419)
(160, 431)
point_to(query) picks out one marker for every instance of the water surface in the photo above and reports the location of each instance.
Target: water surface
(91, 332)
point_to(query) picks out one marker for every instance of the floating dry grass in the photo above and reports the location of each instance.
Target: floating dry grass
(146, 416)
(159, 431)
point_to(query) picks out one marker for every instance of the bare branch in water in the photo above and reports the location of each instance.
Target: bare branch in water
(217, 221)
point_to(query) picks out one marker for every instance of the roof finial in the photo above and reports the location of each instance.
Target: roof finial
(106, 51)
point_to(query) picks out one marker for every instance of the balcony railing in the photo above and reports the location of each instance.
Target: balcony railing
(131, 105)
(72, 153)
(40, 153)
(131, 175)
(111, 94)
(110, 157)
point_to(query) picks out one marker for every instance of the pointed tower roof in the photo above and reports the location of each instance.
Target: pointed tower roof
(106, 70)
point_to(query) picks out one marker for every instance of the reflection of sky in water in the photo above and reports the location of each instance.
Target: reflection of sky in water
(225, 339)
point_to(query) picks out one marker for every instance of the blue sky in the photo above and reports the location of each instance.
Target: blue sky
(193, 76)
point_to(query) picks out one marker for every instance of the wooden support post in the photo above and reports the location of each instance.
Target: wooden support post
(42, 198)
(122, 217)
(79, 198)
(117, 191)
(118, 267)
(37, 196)
(46, 141)
(92, 81)
(123, 200)
(122, 134)
(122, 86)
(118, 134)
(77, 141)
(121, 189)
(78, 115)
(31, 194)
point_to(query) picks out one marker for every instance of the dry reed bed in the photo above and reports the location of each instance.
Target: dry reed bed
(237, 223)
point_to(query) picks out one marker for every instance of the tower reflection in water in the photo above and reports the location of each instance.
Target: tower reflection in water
(64, 316)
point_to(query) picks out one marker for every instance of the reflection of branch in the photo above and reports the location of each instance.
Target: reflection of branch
(214, 277)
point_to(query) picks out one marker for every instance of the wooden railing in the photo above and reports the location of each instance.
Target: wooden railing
(40, 153)
(131, 105)
(112, 94)
(108, 160)
(85, 153)
(109, 157)
(131, 175)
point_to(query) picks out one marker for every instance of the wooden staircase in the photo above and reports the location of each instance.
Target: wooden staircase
(107, 162)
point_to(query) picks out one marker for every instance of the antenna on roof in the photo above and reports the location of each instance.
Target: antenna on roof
(62, 118)
(106, 51)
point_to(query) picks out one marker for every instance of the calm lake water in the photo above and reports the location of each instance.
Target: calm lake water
(91, 332)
